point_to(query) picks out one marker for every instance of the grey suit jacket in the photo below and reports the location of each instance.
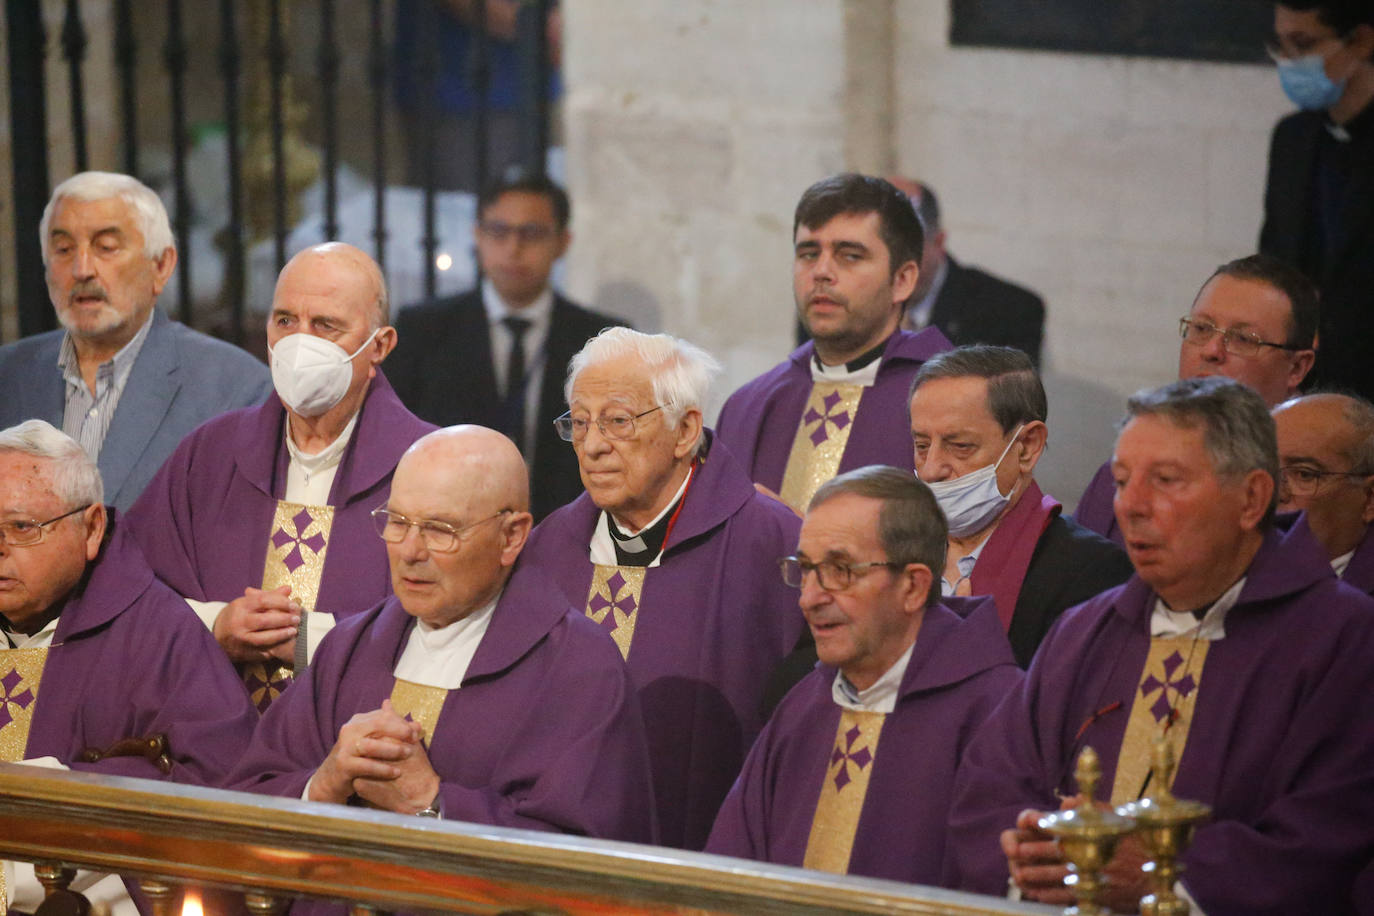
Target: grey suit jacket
(181, 379)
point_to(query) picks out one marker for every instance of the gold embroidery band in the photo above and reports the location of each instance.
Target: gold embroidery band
(296, 547)
(419, 703)
(21, 670)
(841, 801)
(613, 601)
(1163, 705)
(822, 434)
(265, 682)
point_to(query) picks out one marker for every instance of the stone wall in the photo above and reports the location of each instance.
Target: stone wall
(1112, 185)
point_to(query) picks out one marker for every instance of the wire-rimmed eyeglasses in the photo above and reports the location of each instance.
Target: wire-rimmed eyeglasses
(440, 537)
(25, 532)
(613, 424)
(1234, 341)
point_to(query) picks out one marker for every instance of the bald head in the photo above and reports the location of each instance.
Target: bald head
(478, 465)
(467, 481)
(350, 271)
(1326, 456)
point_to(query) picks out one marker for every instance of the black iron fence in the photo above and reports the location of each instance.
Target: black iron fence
(245, 53)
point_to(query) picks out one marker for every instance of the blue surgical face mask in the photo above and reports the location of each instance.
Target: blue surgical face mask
(971, 502)
(1306, 84)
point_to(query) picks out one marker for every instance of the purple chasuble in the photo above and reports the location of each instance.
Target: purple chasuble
(123, 621)
(1095, 511)
(759, 421)
(544, 733)
(714, 620)
(1360, 572)
(960, 669)
(1002, 564)
(1280, 745)
(205, 518)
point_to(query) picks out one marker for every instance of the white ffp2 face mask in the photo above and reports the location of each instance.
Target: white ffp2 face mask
(311, 374)
(971, 502)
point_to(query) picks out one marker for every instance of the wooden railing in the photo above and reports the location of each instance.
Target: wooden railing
(280, 849)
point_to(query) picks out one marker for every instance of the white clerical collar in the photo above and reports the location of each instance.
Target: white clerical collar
(1341, 563)
(327, 457)
(40, 640)
(881, 696)
(603, 545)
(440, 656)
(864, 376)
(1164, 622)
(537, 312)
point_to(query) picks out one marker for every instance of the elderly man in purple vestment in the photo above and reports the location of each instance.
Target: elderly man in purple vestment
(837, 402)
(1326, 470)
(978, 423)
(673, 553)
(1235, 643)
(1254, 320)
(475, 692)
(259, 518)
(79, 611)
(875, 733)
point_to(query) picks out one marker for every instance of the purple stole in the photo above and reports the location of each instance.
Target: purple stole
(1001, 567)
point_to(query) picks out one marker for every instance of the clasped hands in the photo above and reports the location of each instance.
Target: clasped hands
(381, 758)
(1038, 868)
(260, 626)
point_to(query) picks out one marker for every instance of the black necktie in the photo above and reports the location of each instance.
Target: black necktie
(515, 380)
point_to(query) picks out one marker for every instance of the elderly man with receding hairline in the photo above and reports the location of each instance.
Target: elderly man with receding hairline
(259, 519)
(674, 553)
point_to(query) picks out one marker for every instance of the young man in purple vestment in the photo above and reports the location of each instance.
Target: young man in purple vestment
(853, 772)
(978, 423)
(673, 552)
(1254, 320)
(1235, 643)
(1326, 470)
(475, 692)
(259, 519)
(79, 611)
(837, 402)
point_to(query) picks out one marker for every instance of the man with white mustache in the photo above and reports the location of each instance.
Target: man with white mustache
(119, 376)
(260, 517)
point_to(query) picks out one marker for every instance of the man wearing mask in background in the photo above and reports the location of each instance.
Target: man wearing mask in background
(978, 424)
(260, 517)
(1319, 196)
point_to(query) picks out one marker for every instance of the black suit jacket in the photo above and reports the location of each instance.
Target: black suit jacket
(1346, 276)
(442, 370)
(1069, 566)
(975, 307)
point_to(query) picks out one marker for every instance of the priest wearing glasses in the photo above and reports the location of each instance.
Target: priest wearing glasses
(673, 552)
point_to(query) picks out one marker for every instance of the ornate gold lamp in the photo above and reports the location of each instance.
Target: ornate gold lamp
(1087, 836)
(1166, 828)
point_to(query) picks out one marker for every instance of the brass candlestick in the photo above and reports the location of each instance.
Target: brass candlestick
(1087, 837)
(1166, 828)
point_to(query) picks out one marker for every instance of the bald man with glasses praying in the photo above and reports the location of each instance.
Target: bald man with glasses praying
(474, 693)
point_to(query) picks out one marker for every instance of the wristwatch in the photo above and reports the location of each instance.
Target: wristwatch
(431, 811)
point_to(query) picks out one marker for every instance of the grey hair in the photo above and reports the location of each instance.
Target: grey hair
(1237, 429)
(911, 527)
(149, 214)
(75, 477)
(680, 372)
(1015, 393)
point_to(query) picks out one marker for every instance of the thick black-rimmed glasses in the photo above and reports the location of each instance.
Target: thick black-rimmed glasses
(440, 537)
(614, 424)
(832, 576)
(25, 532)
(1233, 341)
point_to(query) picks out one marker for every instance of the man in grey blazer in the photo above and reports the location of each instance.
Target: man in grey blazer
(119, 376)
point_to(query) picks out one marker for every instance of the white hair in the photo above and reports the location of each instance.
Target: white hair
(680, 372)
(75, 477)
(149, 214)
